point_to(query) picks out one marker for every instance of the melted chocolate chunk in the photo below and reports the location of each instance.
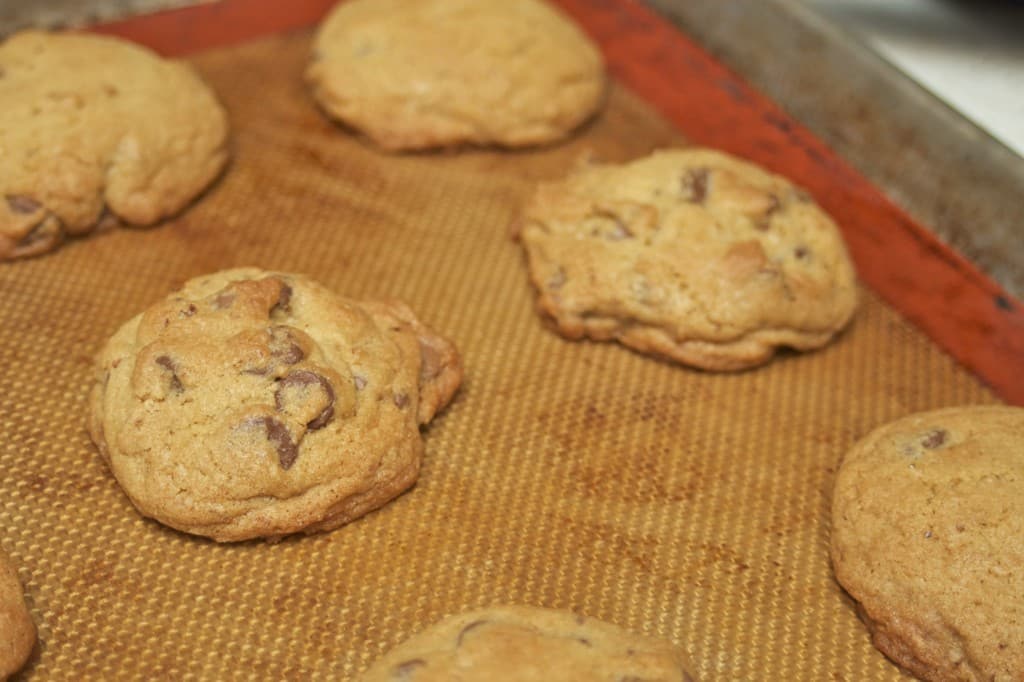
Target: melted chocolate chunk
(167, 363)
(404, 671)
(39, 233)
(764, 223)
(284, 301)
(283, 347)
(621, 232)
(106, 221)
(466, 630)
(430, 361)
(935, 439)
(695, 185)
(224, 299)
(557, 280)
(301, 378)
(281, 439)
(283, 351)
(22, 204)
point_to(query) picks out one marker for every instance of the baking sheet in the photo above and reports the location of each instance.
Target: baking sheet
(572, 475)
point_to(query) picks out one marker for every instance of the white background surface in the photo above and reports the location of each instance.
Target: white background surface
(969, 52)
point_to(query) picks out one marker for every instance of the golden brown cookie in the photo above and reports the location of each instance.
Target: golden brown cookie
(526, 644)
(17, 631)
(258, 404)
(417, 74)
(691, 255)
(928, 537)
(95, 131)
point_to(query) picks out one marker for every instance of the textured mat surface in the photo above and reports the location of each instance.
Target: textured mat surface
(571, 475)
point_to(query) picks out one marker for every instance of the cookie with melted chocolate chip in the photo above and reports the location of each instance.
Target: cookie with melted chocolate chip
(928, 538)
(17, 631)
(258, 404)
(690, 255)
(97, 131)
(526, 644)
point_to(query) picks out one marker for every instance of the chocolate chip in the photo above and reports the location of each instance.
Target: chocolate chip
(167, 363)
(285, 299)
(469, 628)
(302, 378)
(106, 220)
(695, 185)
(557, 280)
(430, 360)
(42, 232)
(934, 438)
(22, 204)
(281, 439)
(283, 347)
(404, 671)
(284, 350)
(224, 299)
(765, 221)
(401, 400)
(802, 195)
(621, 231)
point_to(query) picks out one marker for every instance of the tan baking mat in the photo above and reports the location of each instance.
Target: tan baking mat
(572, 475)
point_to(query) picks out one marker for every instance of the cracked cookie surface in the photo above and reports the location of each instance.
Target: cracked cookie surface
(17, 631)
(418, 74)
(521, 644)
(98, 131)
(928, 537)
(691, 255)
(258, 404)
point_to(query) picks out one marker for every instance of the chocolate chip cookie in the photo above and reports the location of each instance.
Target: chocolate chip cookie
(97, 131)
(522, 644)
(418, 74)
(928, 537)
(258, 404)
(17, 631)
(688, 254)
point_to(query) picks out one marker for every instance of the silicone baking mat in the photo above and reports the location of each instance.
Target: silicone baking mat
(578, 475)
